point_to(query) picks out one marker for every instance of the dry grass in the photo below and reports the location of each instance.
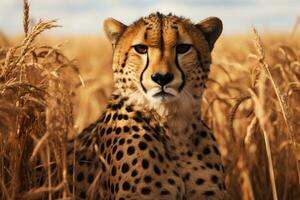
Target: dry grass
(251, 104)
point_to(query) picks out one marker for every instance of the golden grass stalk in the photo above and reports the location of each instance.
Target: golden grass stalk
(233, 111)
(282, 103)
(261, 119)
(25, 17)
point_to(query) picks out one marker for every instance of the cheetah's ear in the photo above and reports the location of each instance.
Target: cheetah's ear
(211, 28)
(113, 29)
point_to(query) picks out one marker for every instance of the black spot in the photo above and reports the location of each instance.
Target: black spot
(129, 141)
(80, 177)
(115, 107)
(135, 128)
(107, 118)
(108, 142)
(126, 186)
(203, 134)
(120, 117)
(134, 173)
(156, 170)
(119, 155)
(118, 130)
(115, 140)
(214, 179)
(108, 131)
(137, 180)
(113, 171)
(116, 188)
(90, 178)
(130, 150)
(129, 109)
(145, 164)
(125, 117)
(134, 161)
(209, 165)
(125, 168)
(102, 131)
(115, 116)
(102, 148)
(194, 126)
(213, 137)
(158, 184)
(114, 149)
(147, 137)
(136, 136)
(200, 181)
(217, 167)
(126, 129)
(138, 119)
(223, 170)
(112, 188)
(190, 154)
(146, 128)
(187, 176)
(209, 193)
(175, 173)
(142, 145)
(145, 190)
(147, 179)
(157, 129)
(108, 158)
(216, 150)
(171, 181)
(206, 151)
(160, 157)
(152, 154)
(121, 141)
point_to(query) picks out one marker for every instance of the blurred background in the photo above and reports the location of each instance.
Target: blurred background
(86, 16)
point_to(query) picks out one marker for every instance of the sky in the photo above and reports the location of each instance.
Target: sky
(80, 17)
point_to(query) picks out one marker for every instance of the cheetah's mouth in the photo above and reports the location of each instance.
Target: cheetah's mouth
(163, 94)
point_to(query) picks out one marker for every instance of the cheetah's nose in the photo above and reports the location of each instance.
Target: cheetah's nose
(162, 79)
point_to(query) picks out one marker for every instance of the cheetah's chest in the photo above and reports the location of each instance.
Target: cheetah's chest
(195, 165)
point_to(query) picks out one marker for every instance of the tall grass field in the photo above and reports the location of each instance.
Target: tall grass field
(51, 87)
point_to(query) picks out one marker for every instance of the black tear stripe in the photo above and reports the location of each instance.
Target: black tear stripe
(141, 77)
(182, 74)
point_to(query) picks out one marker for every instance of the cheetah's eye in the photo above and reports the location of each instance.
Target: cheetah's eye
(183, 48)
(140, 48)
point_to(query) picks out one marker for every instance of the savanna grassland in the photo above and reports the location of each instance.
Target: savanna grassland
(52, 87)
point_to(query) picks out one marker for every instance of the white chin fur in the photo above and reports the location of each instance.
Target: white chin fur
(179, 106)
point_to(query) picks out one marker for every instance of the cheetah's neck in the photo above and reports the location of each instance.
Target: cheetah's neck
(176, 116)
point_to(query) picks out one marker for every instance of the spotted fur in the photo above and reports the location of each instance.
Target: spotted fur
(151, 143)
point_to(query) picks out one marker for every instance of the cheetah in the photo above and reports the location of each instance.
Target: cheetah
(150, 143)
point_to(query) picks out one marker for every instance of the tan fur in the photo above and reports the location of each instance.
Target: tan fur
(151, 139)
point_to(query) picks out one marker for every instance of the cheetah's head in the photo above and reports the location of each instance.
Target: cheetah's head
(162, 60)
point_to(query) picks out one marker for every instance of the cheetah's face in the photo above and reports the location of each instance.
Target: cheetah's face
(163, 57)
